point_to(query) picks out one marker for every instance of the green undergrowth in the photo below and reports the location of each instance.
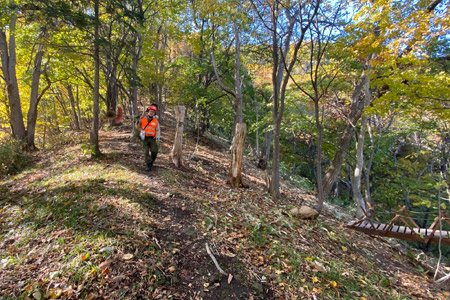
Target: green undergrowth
(12, 158)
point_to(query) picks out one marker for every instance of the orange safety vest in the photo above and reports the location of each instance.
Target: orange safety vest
(150, 129)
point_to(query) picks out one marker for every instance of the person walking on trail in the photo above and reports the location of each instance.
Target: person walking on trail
(150, 125)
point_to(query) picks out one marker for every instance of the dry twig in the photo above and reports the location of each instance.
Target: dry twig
(214, 260)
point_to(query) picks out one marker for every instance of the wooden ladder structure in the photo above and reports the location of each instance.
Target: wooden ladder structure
(409, 230)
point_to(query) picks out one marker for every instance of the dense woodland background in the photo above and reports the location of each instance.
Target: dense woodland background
(341, 103)
(350, 98)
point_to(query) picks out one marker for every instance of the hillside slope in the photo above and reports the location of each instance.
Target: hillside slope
(76, 228)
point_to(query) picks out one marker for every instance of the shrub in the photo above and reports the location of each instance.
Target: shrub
(12, 158)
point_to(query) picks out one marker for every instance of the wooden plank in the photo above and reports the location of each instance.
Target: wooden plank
(409, 237)
(401, 232)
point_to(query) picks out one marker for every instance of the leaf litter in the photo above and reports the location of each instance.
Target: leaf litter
(73, 228)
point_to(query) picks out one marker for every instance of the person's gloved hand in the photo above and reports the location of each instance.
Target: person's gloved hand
(157, 140)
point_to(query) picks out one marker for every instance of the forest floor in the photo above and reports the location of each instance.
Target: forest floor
(72, 227)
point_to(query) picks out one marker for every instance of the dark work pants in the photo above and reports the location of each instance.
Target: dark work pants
(150, 145)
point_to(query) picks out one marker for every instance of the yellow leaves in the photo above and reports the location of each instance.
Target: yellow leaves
(363, 281)
(333, 283)
(54, 293)
(315, 279)
(344, 249)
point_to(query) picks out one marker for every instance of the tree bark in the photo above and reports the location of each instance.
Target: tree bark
(265, 151)
(78, 109)
(8, 57)
(96, 121)
(357, 174)
(35, 98)
(237, 76)
(177, 150)
(72, 104)
(356, 111)
(134, 90)
(237, 154)
(319, 152)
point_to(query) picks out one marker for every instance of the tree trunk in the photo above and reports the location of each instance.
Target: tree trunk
(55, 117)
(356, 111)
(34, 98)
(319, 154)
(111, 89)
(275, 178)
(265, 151)
(368, 196)
(134, 90)
(78, 109)
(45, 132)
(177, 150)
(356, 187)
(72, 104)
(8, 58)
(95, 121)
(237, 154)
(357, 174)
(237, 76)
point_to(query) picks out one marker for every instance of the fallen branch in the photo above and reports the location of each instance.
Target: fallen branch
(214, 260)
(443, 279)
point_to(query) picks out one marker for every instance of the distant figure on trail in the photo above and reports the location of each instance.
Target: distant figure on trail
(150, 135)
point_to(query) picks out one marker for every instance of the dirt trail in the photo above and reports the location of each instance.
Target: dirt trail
(178, 229)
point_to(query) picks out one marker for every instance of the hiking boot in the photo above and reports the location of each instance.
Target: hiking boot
(149, 167)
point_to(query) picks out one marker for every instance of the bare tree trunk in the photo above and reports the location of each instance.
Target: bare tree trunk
(367, 195)
(72, 104)
(238, 145)
(8, 58)
(45, 132)
(95, 122)
(177, 150)
(357, 174)
(237, 154)
(356, 111)
(237, 76)
(78, 109)
(265, 151)
(134, 91)
(319, 153)
(356, 187)
(55, 117)
(257, 129)
(35, 98)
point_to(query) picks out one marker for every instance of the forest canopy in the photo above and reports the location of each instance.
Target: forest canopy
(347, 97)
